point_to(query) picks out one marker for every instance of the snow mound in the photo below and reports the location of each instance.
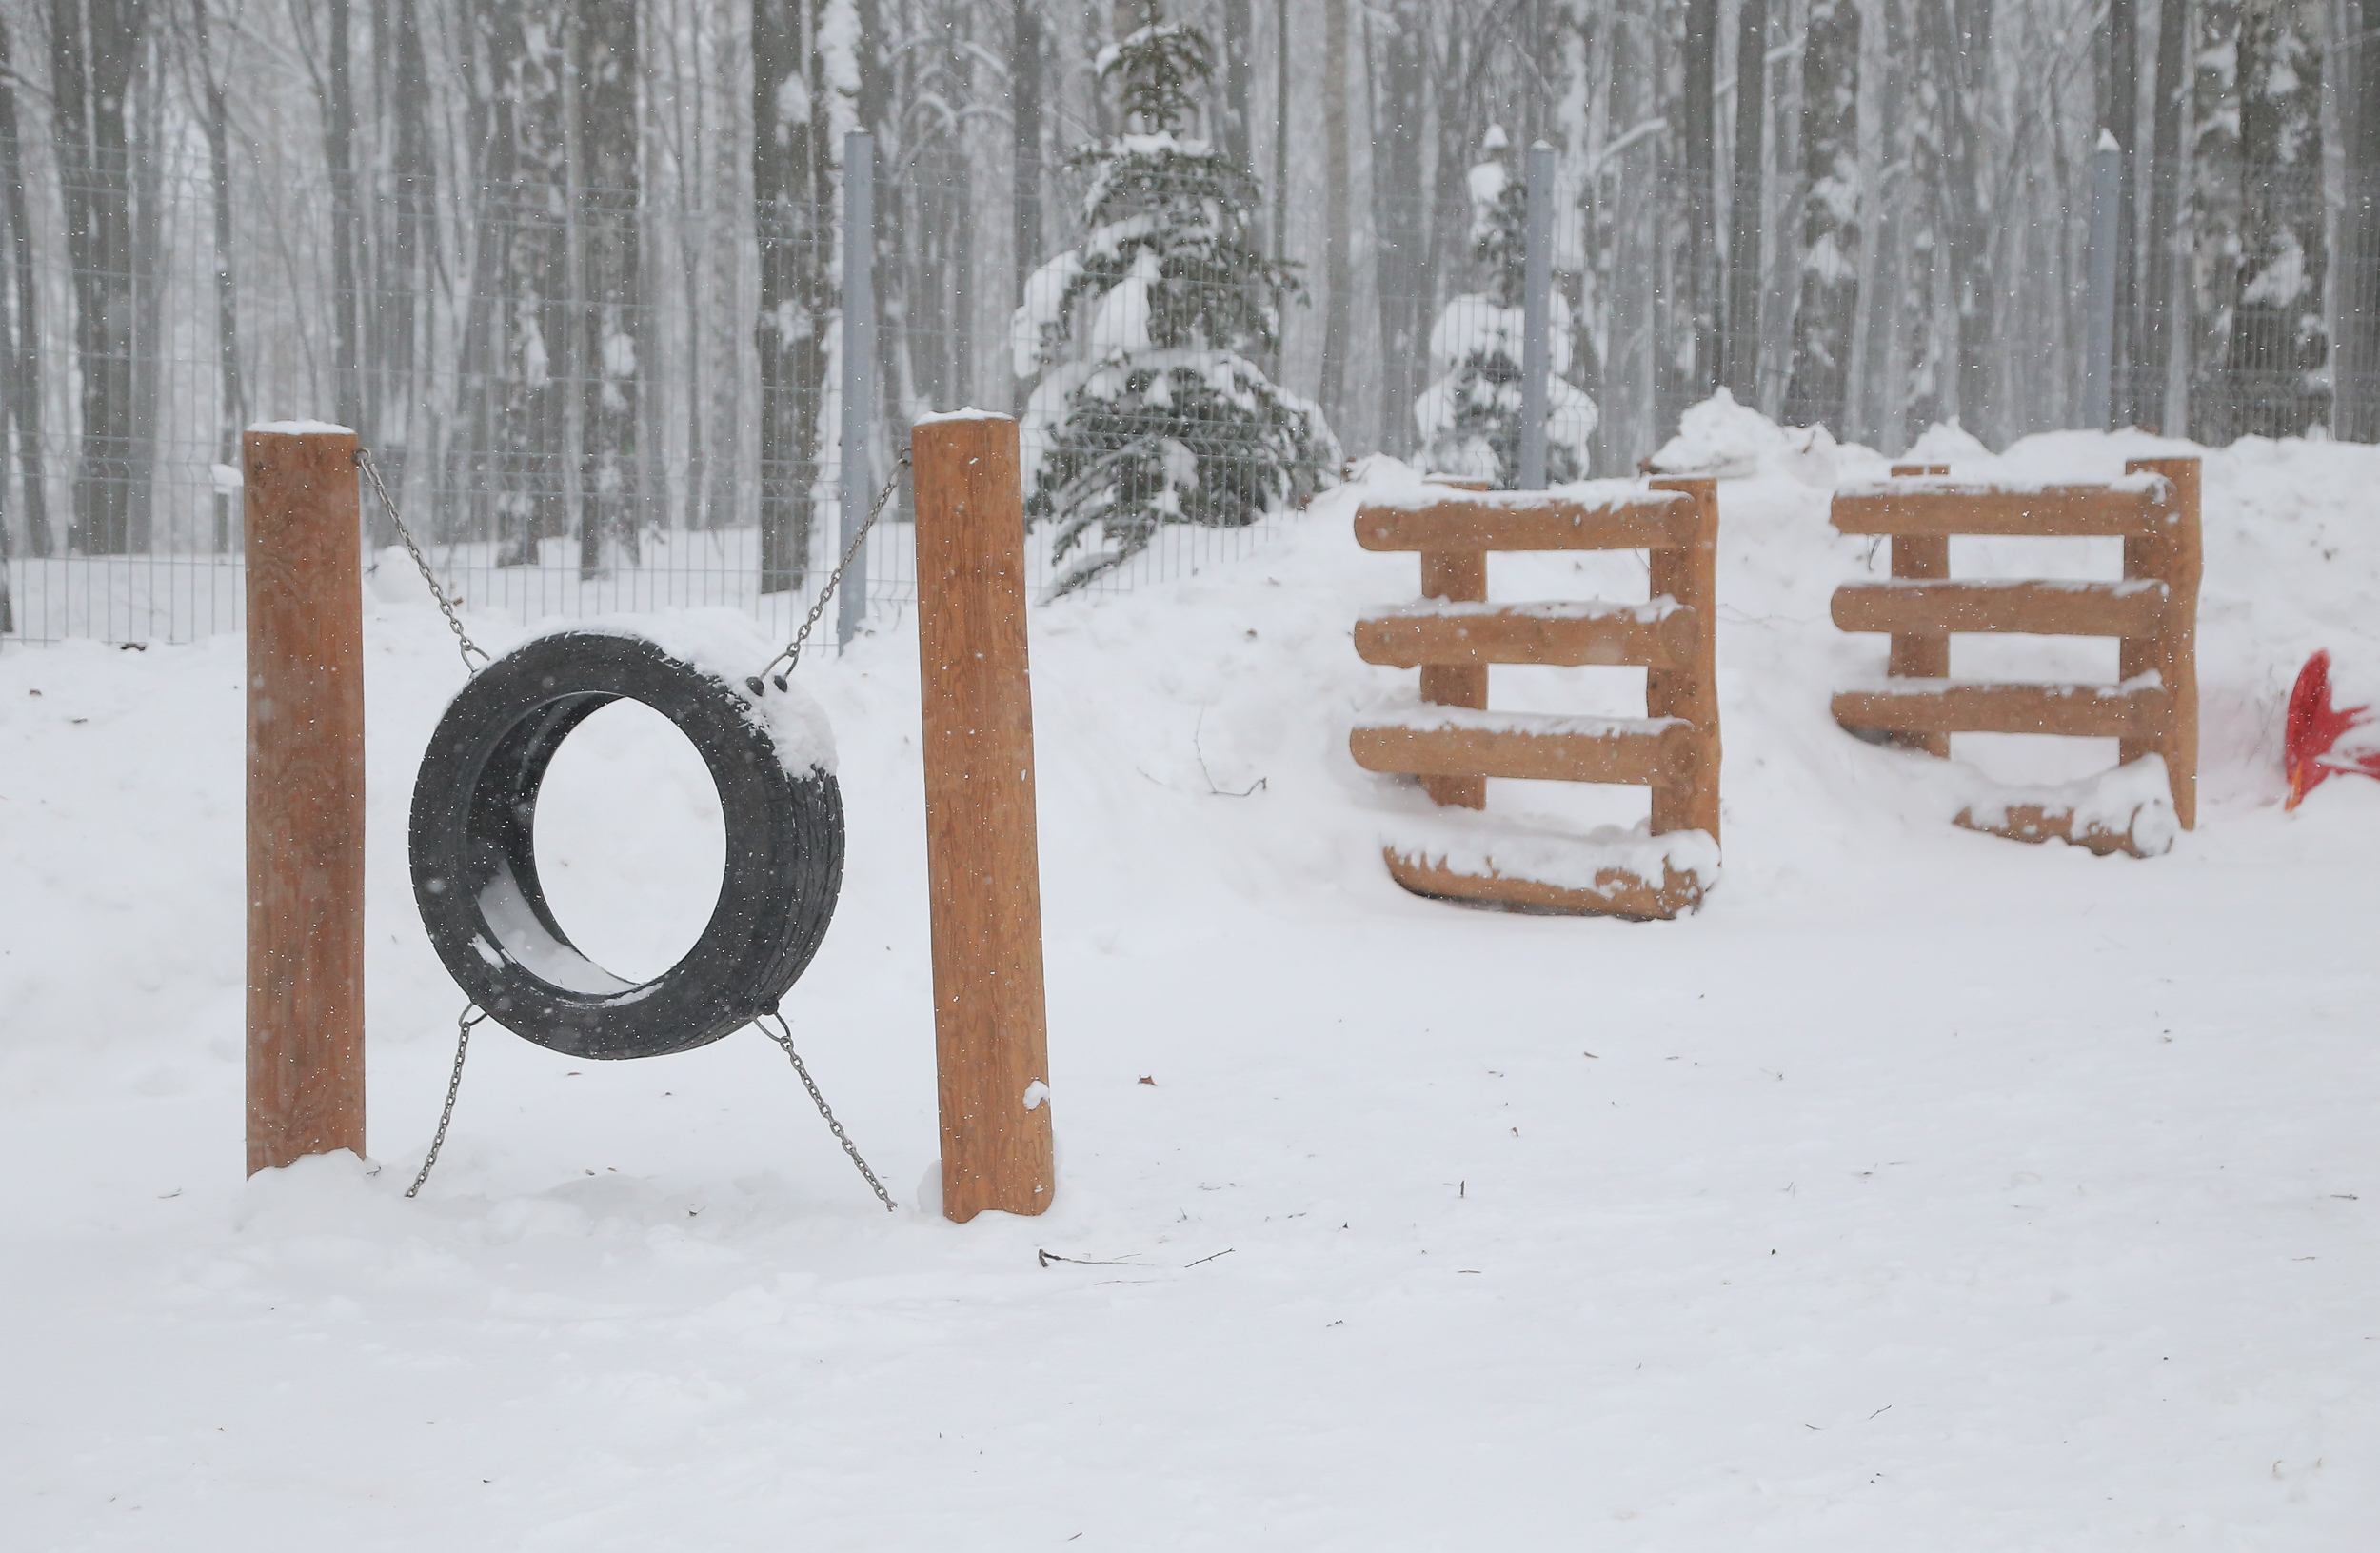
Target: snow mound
(2134, 802)
(1947, 442)
(1719, 439)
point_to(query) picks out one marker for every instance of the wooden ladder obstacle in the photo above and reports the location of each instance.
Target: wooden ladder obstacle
(2152, 612)
(1453, 634)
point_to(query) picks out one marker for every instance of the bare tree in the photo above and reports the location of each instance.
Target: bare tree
(1339, 271)
(1830, 213)
(1702, 277)
(94, 47)
(792, 194)
(1739, 354)
(22, 374)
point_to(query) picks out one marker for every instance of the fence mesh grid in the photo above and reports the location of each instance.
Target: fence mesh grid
(594, 401)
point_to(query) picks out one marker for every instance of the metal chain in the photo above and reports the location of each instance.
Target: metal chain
(791, 657)
(462, 1044)
(782, 1035)
(454, 621)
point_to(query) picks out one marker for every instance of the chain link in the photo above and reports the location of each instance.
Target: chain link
(791, 657)
(471, 1015)
(782, 1035)
(446, 604)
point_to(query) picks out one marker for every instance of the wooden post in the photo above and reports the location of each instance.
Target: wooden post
(991, 1040)
(1690, 575)
(305, 794)
(1922, 654)
(2172, 556)
(1457, 576)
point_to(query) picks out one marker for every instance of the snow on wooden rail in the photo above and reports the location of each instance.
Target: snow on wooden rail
(2152, 612)
(1454, 744)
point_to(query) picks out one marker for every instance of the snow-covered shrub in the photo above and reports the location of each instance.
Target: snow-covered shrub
(1470, 416)
(1159, 414)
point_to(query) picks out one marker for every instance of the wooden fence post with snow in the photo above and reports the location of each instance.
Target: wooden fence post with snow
(2152, 612)
(991, 1044)
(305, 794)
(1920, 654)
(1454, 744)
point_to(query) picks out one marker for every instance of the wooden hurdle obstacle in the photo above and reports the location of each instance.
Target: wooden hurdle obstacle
(1454, 744)
(2152, 612)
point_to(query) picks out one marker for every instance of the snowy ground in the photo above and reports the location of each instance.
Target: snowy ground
(1926, 1191)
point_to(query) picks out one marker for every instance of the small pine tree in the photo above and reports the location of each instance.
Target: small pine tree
(1162, 415)
(1470, 417)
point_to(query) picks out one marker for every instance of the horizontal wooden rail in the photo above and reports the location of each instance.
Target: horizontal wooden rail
(1645, 752)
(2040, 609)
(2074, 711)
(1659, 635)
(1634, 520)
(2057, 512)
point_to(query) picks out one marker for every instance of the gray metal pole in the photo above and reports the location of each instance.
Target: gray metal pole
(2107, 173)
(859, 371)
(1536, 318)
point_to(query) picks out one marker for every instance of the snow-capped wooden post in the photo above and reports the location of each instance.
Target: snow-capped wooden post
(2167, 553)
(991, 1040)
(305, 794)
(1918, 655)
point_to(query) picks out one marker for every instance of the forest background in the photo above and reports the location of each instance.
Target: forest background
(573, 269)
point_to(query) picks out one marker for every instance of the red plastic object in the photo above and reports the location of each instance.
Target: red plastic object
(2314, 726)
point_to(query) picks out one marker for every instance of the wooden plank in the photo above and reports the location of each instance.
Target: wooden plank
(1637, 635)
(1460, 577)
(2169, 553)
(305, 796)
(2074, 711)
(991, 1042)
(1641, 752)
(2041, 609)
(1907, 471)
(1634, 521)
(1688, 573)
(1945, 510)
(1617, 894)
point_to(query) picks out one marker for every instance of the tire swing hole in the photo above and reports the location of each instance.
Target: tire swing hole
(631, 843)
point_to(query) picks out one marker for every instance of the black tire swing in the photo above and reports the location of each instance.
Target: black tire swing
(473, 844)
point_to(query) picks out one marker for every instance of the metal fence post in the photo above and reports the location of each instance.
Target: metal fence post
(859, 369)
(1536, 318)
(2107, 173)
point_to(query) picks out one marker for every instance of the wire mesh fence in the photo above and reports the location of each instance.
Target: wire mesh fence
(596, 399)
(583, 401)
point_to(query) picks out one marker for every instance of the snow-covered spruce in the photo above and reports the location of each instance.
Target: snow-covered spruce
(1470, 416)
(1159, 413)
